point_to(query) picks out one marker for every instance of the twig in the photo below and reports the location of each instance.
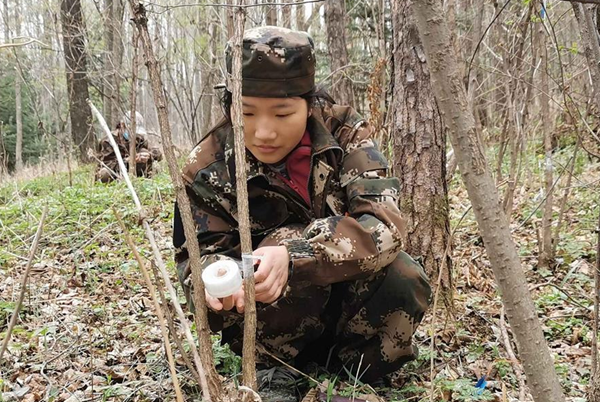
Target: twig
(249, 345)
(512, 357)
(156, 252)
(157, 307)
(596, 304)
(481, 40)
(28, 42)
(435, 301)
(563, 201)
(32, 251)
(211, 384)
(224, 5)
(539, 285)
(169, 317)
(261, 349)
(132, 113)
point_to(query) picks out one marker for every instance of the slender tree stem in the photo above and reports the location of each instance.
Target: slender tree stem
(156, 304)
(157, 256)
(32, 251)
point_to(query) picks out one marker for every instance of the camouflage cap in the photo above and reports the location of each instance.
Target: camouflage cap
(276, 62)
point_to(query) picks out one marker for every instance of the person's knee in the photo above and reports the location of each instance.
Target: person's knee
(410, 280)
(103, 175)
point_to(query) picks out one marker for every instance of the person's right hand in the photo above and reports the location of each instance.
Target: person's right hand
(142, 157)
(227, 303)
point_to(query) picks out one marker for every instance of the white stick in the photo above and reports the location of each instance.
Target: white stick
(157, 257)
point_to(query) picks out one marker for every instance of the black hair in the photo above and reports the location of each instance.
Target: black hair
(316, 98)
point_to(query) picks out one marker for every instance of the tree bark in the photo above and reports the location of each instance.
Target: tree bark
(271, 14)
(419, 148)
(341, 85)
(594, 388)
(591, 46)
(132, 107)
(249, 345)
(76, 70)
(18, 98)
(201, 316)
(546, 256)
(300, 16)
(492, 222)
(113, 58)
(286, 16)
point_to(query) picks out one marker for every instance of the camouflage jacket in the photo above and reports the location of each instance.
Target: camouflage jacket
(353, 226)
(106, 154)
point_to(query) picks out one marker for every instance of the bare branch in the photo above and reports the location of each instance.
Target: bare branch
(156, 253)
(29, 41)
(15, 314)
(224, 5)
(157, 306)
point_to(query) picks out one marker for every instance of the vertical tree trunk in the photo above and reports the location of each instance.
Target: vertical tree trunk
(300, 16)
(113, 57)
(214, 384)
(76, 71)
(590, 45)
(419, 148)
(286, 16)
(3, 153)
(108, 73)
(341, 85)
(133, 106)
(546, 247)
(271, 14)
(249, 344)
(18, 100)
(493, 223)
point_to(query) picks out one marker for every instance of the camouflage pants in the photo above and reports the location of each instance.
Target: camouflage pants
(106, 175)
(373, 318)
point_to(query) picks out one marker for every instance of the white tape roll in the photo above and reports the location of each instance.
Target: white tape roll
(222, 278)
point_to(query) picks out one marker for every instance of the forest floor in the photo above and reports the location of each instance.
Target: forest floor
(87, 331)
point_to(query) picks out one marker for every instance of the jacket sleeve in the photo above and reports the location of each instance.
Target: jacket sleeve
(365, 239)
(215, 228)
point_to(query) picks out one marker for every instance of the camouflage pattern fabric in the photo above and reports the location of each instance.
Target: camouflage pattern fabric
(105, 172)
(346, 242)
(288, 57)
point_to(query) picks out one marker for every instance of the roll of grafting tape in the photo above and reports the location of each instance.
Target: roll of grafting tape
(222, 278)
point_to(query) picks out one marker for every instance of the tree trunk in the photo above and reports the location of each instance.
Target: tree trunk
(18, 99)
(286, 16)
(77, 81)
(300, 16)
(271, 14)
(341, 85)
(546, 257)
(419, 148)
(113, 58)
(108, 89)
(590, 45)
(214, 384)
(492, 222)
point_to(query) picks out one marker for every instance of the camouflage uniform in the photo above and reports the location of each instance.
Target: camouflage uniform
(109, 166)
(350, 283)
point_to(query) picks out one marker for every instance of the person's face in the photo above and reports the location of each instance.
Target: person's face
(273, 126)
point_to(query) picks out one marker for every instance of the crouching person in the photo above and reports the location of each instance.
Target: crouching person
(145, 156)
(332, 278)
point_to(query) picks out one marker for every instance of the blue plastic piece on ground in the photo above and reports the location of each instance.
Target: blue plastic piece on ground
(481, 384)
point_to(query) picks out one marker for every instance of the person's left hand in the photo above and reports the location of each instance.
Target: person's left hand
(272, 274)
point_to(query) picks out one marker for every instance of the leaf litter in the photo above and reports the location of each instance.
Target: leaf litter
(87, 330)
